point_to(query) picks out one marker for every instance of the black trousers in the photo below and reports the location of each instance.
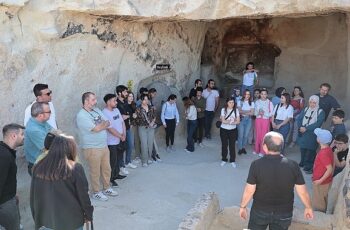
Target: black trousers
(170, 131)
(228, 139)
(115, 157)
(198, 134)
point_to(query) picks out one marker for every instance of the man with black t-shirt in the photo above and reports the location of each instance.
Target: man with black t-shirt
(271, 183)
(126, 112)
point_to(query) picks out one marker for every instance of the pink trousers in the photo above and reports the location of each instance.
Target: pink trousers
(262, 126)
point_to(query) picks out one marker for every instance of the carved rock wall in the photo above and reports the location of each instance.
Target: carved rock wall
(78, 52)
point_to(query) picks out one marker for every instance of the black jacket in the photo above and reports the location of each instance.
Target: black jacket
(61, 204)
(8, 173)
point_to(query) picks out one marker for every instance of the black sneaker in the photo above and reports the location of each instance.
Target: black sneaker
(157, 155)
(154, 158)
(120, 177)
(114, 184)
(244, 151)
(240, 152)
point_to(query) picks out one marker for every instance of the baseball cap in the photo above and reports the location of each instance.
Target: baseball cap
(323, 136)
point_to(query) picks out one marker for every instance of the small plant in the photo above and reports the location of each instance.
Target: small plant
(130, 85)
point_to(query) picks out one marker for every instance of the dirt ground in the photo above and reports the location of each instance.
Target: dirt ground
(159, 196)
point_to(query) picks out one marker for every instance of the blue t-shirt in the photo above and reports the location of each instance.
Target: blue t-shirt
(34, 136)
(86, 121)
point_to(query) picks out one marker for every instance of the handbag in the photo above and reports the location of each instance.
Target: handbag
(218, 123)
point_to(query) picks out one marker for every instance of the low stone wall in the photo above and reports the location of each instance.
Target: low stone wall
(202, 215)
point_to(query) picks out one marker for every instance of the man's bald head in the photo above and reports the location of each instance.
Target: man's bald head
(273, 142)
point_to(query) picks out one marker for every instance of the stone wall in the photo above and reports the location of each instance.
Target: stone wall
(303, 51)
(76, 52)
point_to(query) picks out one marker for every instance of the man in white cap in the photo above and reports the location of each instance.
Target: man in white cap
(323, 170)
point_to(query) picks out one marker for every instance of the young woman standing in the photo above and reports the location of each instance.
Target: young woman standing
(170, 119)
(145, 120)
(228, 131)
(282, 114)
(298, 103)
(250, 78)
(246, 111)
(263, 112)
(191, 117)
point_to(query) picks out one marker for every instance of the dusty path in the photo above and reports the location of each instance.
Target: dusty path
(159, 196)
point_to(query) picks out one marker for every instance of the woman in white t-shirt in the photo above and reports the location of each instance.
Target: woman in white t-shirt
(283, 112)
(228, 131)
(250, 78)
(246, 111)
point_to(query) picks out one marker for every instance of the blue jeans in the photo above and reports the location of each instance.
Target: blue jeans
(243, 131)
(283, 130)
(250, 88)
(191, 127)
(209, 116)
(129, 145)
(260, 220)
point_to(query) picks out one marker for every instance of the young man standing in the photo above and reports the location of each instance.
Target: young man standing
(212, 102)
(197, 83)
(323, 170)
(199, 102)
(9, 214)
(42, 94)
(115, 135)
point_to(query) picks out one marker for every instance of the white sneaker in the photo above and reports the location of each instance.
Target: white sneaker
(187, 150)
(110, 192)
(149, 162)
(261, 155)
(222, 163)
(99, 196)
(168, 150)
(201, 145)
(254, 153)
(233, 164)
(172, 148)
(137, 160)
(132, 166)
(144, 165)
(123, 172)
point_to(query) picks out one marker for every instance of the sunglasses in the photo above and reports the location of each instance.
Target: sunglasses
(48, 93)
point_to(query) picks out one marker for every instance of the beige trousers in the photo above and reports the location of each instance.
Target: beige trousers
(320, 197)
(99, 166)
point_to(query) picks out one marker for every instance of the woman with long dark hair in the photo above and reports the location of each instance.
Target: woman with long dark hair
(282, 114)
(145, 120)
(298, 103)
(59, 190)
(191, 117)
(228, 131)
(246, 111)
(278, 93)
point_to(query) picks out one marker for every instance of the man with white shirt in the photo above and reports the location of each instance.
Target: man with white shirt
(212, 102)
(42, 94)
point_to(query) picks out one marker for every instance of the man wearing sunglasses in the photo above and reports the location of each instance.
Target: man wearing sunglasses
(42, 94)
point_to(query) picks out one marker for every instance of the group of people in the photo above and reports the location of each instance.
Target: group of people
(108, 137)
